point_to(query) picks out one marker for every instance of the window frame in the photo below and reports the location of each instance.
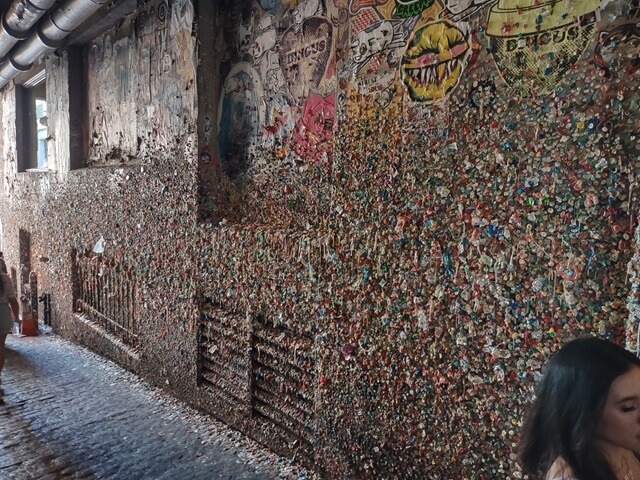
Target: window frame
(27, 92)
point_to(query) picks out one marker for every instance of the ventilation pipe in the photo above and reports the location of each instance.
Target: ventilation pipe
(16, 22)
(48, 37)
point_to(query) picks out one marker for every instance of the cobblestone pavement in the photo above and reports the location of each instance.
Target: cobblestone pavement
(70, 414)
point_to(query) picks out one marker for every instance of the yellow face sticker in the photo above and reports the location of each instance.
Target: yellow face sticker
(434, 61)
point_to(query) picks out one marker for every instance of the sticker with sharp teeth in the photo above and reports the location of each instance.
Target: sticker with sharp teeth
(434, 61)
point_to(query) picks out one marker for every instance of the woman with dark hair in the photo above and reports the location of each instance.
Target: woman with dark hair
(3, 265)
(9, 311)
(585, 421)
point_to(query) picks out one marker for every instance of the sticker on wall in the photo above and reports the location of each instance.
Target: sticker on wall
(380, 88)
(307, 60)
(411, 8)
(535, 43)
(304, 10)
(314, 131)
(624, 38)
(356, 5)
(434, 61)
(265, 37)
(278, 120)
(270, 6)
(244, 34)
(364, 19)
(240, 116)
(461, 9)
(99, 246)
(376, 39)
(271, 73)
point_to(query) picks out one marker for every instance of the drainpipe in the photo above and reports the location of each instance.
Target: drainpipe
(16, 22)
(48, 37)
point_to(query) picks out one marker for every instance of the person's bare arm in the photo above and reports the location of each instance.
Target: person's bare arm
(15, 308)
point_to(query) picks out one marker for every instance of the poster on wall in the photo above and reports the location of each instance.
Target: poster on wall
(535, 43)
(307, 59)
(409, 46)
(281, 85)
(434, 61)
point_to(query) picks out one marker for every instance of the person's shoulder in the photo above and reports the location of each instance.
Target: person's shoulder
(6, 279)
(560, 471)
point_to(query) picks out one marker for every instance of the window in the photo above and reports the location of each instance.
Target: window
(41, 128)
(31, 122)
(77, 108)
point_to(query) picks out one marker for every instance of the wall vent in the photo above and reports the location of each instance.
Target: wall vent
(283, 382)
(223, 363)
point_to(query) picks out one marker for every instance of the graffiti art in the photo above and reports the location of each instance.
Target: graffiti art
(182, 14)
(434, 61)
(162, 12)
(535, 43)
(411, 8)
(240, 116)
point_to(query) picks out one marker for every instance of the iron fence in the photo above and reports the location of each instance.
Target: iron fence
(105, 294)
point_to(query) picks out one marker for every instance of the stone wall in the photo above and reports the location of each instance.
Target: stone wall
(366, 242)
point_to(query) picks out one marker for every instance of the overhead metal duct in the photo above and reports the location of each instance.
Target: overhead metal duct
(49, 36)
(18, 20)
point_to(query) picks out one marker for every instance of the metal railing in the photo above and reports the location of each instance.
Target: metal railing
(104, 293)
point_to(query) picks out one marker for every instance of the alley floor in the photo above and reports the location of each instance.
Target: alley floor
(70, 414)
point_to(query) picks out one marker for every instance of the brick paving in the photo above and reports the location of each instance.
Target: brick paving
(70, 414)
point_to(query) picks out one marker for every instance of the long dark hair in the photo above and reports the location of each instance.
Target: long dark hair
(570, 399)
(3, 271)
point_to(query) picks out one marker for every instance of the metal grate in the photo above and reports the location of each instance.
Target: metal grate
(283, 380)
(105, 294)
(223, 363)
